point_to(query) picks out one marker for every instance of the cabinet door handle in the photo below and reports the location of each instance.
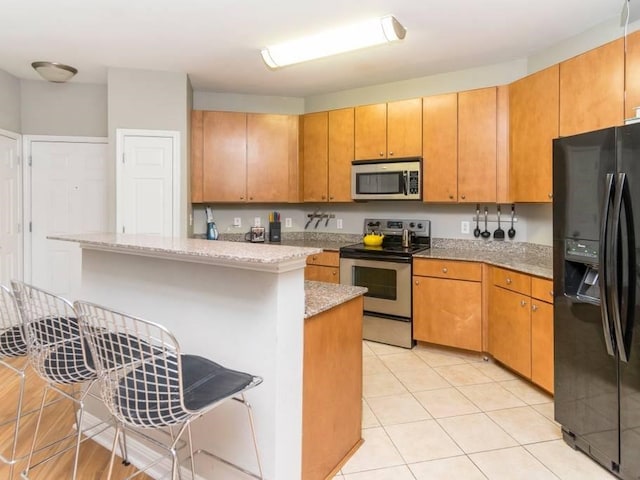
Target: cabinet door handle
(550, 195)
(509, 281)
(551, 293)
(444, 270)
(334, 273)
(382, 154)
(314, 258)
(391, 154)
(463, 197)
(330, 198)
(241, 198)
(534, 307)
(523, 303)
(323, 197)
(417, 282)
(450, 197)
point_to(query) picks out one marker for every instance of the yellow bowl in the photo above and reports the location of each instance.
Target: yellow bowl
(373, 240)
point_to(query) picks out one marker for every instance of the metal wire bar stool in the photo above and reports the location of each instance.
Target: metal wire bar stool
(57, 353)
(147, 383)
(13, 346)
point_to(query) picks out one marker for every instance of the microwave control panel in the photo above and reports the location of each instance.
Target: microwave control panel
(414, 182)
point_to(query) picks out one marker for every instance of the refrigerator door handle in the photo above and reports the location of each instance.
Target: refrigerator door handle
(623, 299)
(604, 266)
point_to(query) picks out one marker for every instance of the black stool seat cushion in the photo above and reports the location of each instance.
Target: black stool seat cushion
(150, 395)
(12, 343)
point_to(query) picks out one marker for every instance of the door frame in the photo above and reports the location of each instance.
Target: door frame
(121, 133)
(27, 142)
(20, 196)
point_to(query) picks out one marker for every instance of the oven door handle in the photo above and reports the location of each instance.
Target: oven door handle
(375, 258)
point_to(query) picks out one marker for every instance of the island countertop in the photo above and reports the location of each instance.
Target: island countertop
(321, 296)
(251, 256)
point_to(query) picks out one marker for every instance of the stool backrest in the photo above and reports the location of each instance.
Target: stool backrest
(54, 344)
(12, 342)
(138, 364)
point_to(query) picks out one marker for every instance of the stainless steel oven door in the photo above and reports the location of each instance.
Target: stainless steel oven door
(389, 284)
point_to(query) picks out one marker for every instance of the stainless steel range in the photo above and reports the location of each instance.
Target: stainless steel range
(386, 271)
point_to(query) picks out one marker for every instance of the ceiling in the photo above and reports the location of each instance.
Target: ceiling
(217, 42)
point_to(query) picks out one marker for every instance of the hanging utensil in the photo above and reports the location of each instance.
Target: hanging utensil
(498, 234)
(512, 231)
(476, 231)
(486, 233)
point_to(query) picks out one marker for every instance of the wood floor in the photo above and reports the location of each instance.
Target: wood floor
(57, 421)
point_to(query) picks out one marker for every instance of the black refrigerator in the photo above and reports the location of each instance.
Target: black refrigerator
(596, 200)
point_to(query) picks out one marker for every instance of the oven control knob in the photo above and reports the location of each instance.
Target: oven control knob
(412, 224)
(420, 225)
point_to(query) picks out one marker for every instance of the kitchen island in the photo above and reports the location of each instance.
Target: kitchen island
(247, 307)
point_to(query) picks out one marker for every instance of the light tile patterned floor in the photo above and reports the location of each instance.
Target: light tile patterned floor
(435, 413)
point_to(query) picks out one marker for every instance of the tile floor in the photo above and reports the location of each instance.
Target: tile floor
(436, 414)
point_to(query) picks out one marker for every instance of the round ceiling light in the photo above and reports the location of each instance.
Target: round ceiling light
(54, 72)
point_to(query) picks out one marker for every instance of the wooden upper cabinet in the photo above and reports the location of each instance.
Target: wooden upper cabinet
(404, 128)
(272, 150)
(371, 131)
(196, 156)
(440, 148)
(477, 147)
(341, 154)
(224, 156)
(533, 124)
(388, 130)
(592, 89)
(632, 75)
(315, 145)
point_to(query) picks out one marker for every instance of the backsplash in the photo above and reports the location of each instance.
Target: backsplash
(533, 221)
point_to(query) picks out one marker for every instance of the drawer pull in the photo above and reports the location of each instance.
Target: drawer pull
(444, 270)
(523, 303)
(509, 281)
(551, 293)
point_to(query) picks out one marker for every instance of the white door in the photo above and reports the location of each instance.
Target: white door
(69, 194)
(10, 209)
(145, 184)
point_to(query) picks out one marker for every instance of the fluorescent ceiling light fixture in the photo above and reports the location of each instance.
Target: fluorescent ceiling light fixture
(54, 72)
(354, 37)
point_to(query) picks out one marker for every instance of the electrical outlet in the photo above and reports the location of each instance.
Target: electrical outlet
(256, 221)
(339, 223)
(287, 223)
(464, 227)
(237, 222)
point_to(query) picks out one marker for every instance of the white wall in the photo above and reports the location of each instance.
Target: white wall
(238, 102)
(590, 39)
(486, 76)
(142, 99)
(533, 221)
(74, 109)
(9, 102)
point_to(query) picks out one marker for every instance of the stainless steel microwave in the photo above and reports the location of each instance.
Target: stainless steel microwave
(399, 179)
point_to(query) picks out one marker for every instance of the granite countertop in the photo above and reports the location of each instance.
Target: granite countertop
(321, 296)
(233, 254)
(528, 258)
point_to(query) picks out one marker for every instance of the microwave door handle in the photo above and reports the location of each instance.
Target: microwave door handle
(405, 179)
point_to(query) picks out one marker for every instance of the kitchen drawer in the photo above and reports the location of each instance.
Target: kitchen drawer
(329, 259)
(517, 282)
(448, 269)
(542, 289)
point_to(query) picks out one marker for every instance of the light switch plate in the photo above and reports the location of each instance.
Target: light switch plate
(339, 223)
(464, 227)
(288, 223)
(237, 222)
(256, 221)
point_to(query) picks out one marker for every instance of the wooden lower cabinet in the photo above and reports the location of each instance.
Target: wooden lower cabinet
(510, 329)
(542, 344)
(323, 267)
(332, 389)
(447, 304)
